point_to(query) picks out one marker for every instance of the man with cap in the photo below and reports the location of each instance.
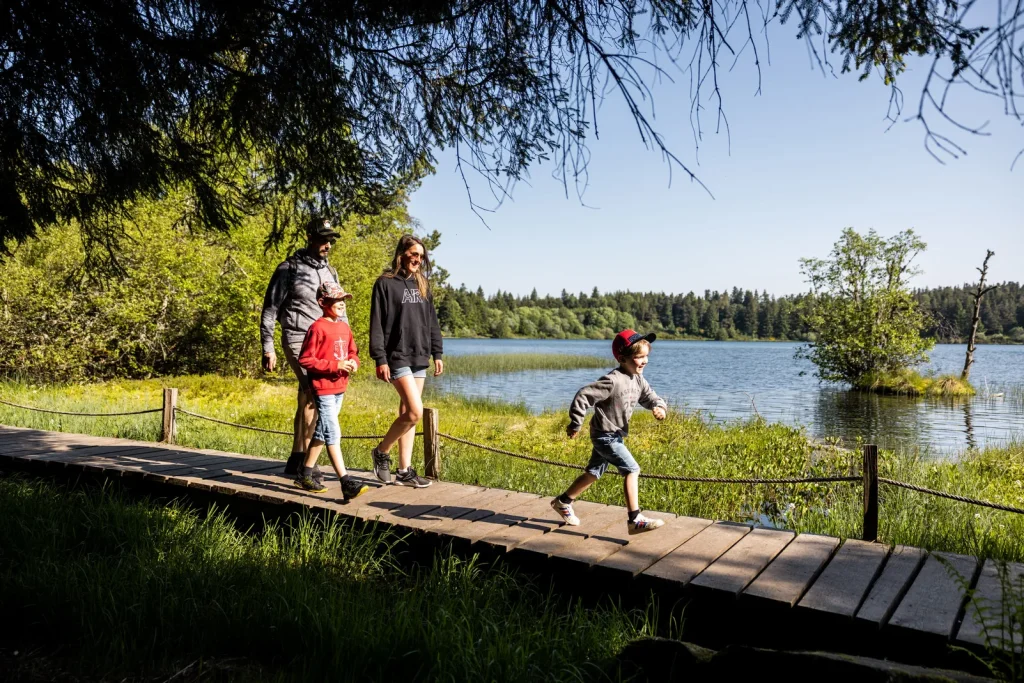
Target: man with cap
(291, 300)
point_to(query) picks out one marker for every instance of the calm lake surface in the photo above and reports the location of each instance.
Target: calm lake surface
(726, 380)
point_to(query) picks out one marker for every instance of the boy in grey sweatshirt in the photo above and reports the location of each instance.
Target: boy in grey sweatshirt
(614, 397)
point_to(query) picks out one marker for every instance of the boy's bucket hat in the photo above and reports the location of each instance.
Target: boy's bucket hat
(321, 227)
(332, 291)
(623, 340)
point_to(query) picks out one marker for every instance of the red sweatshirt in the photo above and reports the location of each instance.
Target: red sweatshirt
(326, 343)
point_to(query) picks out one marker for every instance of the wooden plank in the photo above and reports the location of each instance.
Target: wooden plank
(846, 579)
(934, 599)
(643, 550)
(692, 557)
(787, 578)
(887, 591)
(388, 498)
(596, 518)
(740, 564)
(474, 526)
(477, 505)
(607, 541)
(540, 519)
(985, 609)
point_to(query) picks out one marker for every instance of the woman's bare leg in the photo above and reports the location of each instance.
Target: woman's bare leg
(403, 429)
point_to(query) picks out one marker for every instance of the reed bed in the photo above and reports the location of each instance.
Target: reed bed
(492, 363)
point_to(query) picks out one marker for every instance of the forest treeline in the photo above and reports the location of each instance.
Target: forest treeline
(717, 315)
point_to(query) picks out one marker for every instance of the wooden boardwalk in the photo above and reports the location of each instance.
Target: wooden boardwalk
(816, 580)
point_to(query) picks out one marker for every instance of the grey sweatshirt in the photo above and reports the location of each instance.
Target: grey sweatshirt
(291, 299)
(613, 397)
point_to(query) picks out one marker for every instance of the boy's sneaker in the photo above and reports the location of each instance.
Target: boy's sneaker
(640, 524)
(565, 511)
(382, 466)
(310, 484)
(410, 478)
(351, 488)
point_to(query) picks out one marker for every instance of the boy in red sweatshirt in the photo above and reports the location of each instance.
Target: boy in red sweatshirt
(329, 355)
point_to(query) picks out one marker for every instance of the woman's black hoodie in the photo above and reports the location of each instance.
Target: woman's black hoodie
(403, 325)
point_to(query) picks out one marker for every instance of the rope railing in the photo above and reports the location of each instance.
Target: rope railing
(663, 477)
(869, 478)
(64, 412)
(182, 411)
(950, 496)
(432, 436)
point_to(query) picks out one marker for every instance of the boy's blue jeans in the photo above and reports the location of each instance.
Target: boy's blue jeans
(327, 428)
(609, 450)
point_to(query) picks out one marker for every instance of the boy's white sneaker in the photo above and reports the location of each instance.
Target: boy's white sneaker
(640, 524)
(565, 512)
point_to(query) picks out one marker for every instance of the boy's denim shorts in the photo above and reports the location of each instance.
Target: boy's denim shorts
(609, 450)
(417, 371)
(327, 428)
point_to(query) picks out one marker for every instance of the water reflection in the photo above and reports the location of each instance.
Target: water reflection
(726, 381)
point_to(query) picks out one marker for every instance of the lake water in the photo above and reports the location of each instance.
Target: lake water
(728, 380)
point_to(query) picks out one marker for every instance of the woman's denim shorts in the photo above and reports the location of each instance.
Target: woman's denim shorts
(417, 371)
(327, 428)
(609, 450)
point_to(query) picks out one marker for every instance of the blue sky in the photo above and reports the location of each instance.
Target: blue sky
(807, 157)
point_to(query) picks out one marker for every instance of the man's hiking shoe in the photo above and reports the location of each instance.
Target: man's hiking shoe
(382, 466)
(351, 488)
(640, 524)
(410, 478)
(294, 463)
(310, 484)
(565, 511)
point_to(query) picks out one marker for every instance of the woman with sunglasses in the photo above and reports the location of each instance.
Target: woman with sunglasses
(404, 334)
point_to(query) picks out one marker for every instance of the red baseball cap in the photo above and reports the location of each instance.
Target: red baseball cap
(623, 340)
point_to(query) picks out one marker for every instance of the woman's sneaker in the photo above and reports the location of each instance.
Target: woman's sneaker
(381, 466)
(640, 524)
(565, 511)
(310, 484)
(351, 488)
(410, 478)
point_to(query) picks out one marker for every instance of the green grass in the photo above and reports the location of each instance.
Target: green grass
(140, 588)
(684, 444)
(911, 383)
(485, 363)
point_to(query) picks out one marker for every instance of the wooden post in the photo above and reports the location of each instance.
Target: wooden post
(870, 493)
(431, 447)
(169, 427)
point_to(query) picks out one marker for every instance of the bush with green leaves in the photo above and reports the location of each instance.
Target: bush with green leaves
(863, 314)
(174, 299)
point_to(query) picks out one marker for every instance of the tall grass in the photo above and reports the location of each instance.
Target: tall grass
(136, 587)
(488, 363)
(684, 444)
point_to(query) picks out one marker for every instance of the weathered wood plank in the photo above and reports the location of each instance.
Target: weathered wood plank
(594, 518)
(643, 550)
(474, 526)
(694, 556)
(887, 591)
(540, 519)
(934, 599)
(985, 609)
(787, 578)
(607, 541)
(846, 579)
(477, 505)
(740, 564)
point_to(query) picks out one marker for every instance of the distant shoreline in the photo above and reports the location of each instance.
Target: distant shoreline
(702, 339)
